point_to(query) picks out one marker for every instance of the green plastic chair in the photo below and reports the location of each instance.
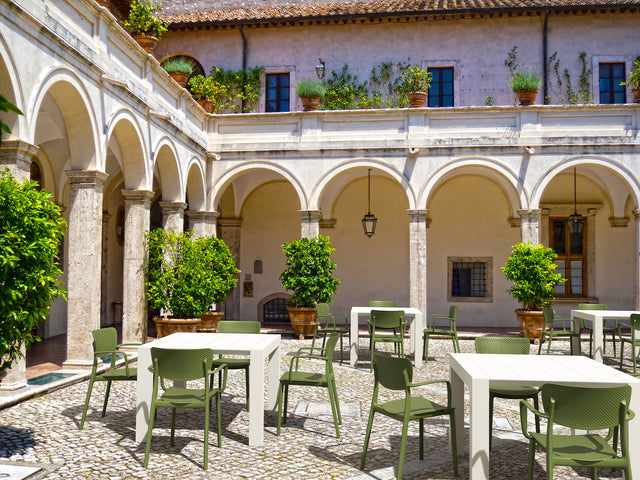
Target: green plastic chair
(105, 342)
(379, 303)
(605, 328)
(396, 373)
(326, 324)
(581, 408)
(633, 340)
(513, 346)
(311, 379)
(433, 330)
(184, 366)
(236, 363)
(551, 329)
(388, 326)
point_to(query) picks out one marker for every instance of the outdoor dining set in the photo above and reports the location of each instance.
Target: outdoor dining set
(598, 404)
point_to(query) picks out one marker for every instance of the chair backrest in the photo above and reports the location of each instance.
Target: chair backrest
(104, 339)
(509, 345)
(383, 303)
(635, 321)
(585, 408)
(181, 365)
(387, 318)
(592, 306)
(389, 371)
(322, 310)
(453, 312)
(238, 326)
(331, 346)
(547, 313)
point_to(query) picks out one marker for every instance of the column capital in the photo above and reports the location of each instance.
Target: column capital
(636, 213)
(202, 215)
(533, 211)
(87, 177)
(310, 215)
(137, 196)
(12, 149)
(418, 215)
(229, 222)
(176, 207)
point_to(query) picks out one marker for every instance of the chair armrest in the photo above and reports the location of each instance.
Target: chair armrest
(571, 321)
(620, 326)
(220, 368)
(112, 363)
(524, 406)
(430, 382)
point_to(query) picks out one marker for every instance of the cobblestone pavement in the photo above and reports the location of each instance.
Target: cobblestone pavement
(44, 431)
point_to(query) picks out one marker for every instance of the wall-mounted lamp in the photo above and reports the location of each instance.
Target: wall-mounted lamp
(320, 69)
(369, 220)
(576, 221)
(530, 150)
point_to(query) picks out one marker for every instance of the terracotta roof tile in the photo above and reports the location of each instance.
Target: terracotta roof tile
(208, 11)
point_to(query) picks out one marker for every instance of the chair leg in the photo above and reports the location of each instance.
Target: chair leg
(594, 473)
(403, 446)
(532, 457)
(366, 439)
(621, 353)
(491, 397)
(591, 343)
(152, 415)
(425, 340)
(106, 398)
(86, 402)
(246, 385)
(173, 426)
(454, 442)
(337, 400)
(541, 342)
(335, 413)
(219, 418)
(537, 407)
(421, 421)
(206, 438)
(549, 346)
(282, 398)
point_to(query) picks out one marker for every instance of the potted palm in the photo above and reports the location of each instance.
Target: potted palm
(414, 83)
(309, 274)
(204, 90)
(634, 80)
(143, 24)
(179, 68)
(525, 85)
(532, 271)
(185, 276)
(310, 92)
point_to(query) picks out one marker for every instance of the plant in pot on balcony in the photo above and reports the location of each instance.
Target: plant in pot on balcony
(309, 274)
(531, 268)
(179, 68)
(634, 80)
(414, 83)
(525, 85)
(185, 276)
(310, 92)
(204, 89)
(143, 24)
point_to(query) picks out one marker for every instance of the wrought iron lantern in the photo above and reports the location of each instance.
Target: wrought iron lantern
(320, 69)
(576, 221)
(369, 220)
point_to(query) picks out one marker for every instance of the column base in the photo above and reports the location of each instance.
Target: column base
(77, 364)
(11, 386)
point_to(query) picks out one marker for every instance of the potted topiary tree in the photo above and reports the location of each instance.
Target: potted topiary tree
(310, 92)
(532, 271)
(179, 68)
(309, 274)
(634, 80)
(414, 83)
(204, 89)
(525, 85)
(143, 24)
(185, 276)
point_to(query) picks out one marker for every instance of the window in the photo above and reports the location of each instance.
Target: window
(470, 279)
(441, 89)
(277, 92)
(571, 261)
(610, 77)
(275, 311)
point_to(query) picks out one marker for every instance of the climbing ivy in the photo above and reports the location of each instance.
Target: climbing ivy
(241, 89)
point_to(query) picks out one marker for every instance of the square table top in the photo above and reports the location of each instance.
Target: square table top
(224, 343)
(406, 310)
(592, 314)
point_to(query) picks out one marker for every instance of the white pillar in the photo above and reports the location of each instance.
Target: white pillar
(173, 216)
(134, 302)
(530, 226)
(310, 223)
(202, 224)
(84, 264)
(230, 230)
(418, 260)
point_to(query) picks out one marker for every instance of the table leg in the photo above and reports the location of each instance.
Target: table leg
(144, 389)
(598, 344)
(274, 380)
(353, 350)
(479, 429)
(457, 402)
(256, 399)
(575, 341)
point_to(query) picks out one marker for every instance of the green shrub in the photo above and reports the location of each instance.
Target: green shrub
(178, 65)
(143, 21)
(32, 231)
(525, 81)
(308, 87)
(414, 79)
(203, 88)
(634, 76)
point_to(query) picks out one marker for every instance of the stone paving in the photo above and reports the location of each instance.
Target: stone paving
(43, 432)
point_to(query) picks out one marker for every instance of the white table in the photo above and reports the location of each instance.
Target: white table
(416, 327)
(597, 318)
(257, 346)
(480, 371)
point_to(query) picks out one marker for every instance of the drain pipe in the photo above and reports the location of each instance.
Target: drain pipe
(545, 63)
(244, 60)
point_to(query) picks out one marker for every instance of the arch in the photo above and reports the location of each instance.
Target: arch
(72, 99)
(195, 186)
(130, 151)
(488, 167)
(10, 88)
(166, 165)
(232, 174)
(268, 298)
(325, 190)
(609, 183)
(198, 69)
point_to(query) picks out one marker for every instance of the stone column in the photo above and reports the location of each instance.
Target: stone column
(530, 226)
(173, 216)
(310, 223)
(137, 207)
(418, 260)
(84, 264)
(229, 232)
(16, 155)
(202, 224)
(636, 216)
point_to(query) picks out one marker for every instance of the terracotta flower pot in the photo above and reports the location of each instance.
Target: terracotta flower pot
(148, 42)
(309, 104)
(303, 321)
(636, 95)
(209, 322)
(531, 322)
(206, 104)
(417, 99)
(180, 78)
(166, 325)
(527, 97)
